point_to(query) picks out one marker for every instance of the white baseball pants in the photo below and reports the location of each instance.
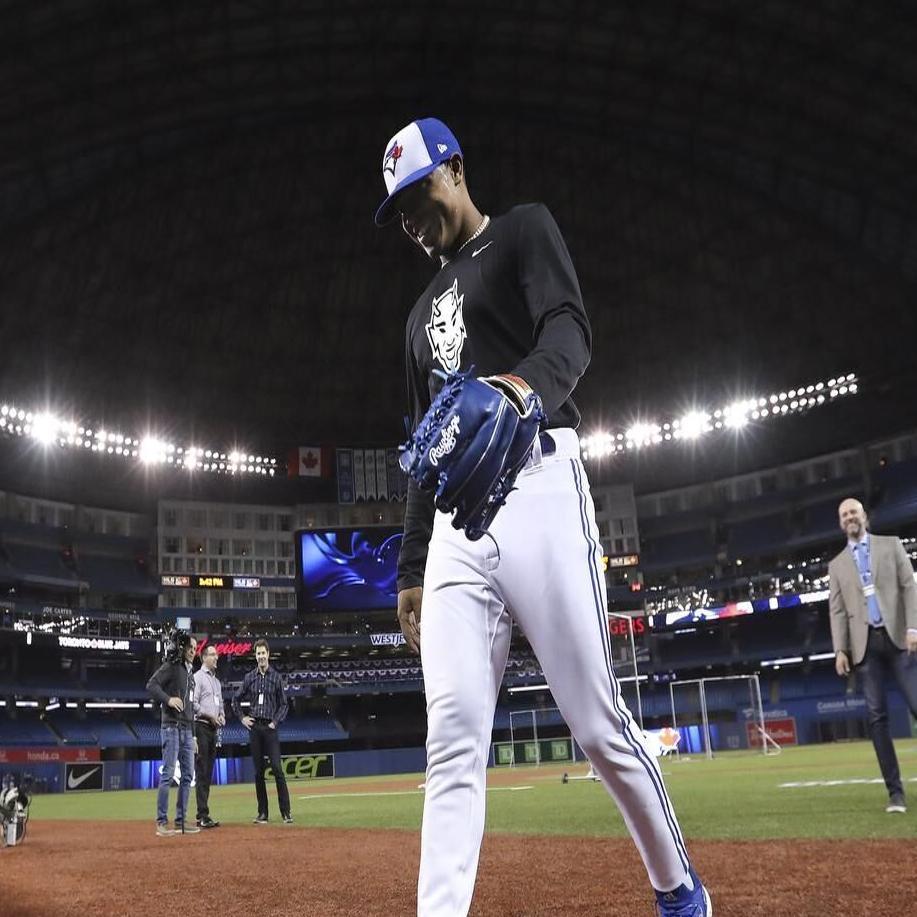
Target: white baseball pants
(539, 565)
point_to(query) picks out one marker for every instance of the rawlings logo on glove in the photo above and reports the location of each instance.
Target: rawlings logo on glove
(446, 441)
(471, 444)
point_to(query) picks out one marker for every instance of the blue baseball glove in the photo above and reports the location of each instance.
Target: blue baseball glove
(471, 444)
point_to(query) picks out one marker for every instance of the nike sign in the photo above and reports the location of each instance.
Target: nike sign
(75, 782)
(478, 251)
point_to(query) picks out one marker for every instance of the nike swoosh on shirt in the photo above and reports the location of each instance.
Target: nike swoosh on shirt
(478, 251)
(73, 783)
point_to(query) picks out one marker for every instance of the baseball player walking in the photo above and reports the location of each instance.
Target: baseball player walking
(506, 300)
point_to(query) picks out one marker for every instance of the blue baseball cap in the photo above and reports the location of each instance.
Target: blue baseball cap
(413, 153)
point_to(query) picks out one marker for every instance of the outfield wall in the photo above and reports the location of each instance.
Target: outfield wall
(86, 772)
(801, 721)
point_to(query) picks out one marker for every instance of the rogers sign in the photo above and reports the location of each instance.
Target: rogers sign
(227, 648)
(619, 627)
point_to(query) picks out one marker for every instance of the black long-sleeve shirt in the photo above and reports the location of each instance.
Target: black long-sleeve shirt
(173, 679)
(265, 693)
(509, 302)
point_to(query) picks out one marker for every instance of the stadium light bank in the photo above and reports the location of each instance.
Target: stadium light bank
(734, 416)
(49, 430)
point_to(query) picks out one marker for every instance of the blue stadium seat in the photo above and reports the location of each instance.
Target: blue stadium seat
(25, 730)
(896, 487)
(146, 730)
(73, 731)
(115, 575)
(762, 535)
(819, 523)
(684, 549)
(40, 565)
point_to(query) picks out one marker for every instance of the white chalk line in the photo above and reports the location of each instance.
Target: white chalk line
(418, 792)
(851, 781)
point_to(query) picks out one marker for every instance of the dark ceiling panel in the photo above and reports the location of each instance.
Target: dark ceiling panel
(186, 198)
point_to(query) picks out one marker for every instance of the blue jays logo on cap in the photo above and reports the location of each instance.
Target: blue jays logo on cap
(390, 162)
(413, 153)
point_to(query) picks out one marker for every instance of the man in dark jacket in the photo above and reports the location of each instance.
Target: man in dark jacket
(172, 685)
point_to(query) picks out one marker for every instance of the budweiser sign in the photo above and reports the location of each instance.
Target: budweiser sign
(227, 647)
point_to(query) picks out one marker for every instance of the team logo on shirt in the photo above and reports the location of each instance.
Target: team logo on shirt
(446, 328)
(392, 155)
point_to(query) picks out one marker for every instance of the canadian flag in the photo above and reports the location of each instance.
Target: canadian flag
(305, 461)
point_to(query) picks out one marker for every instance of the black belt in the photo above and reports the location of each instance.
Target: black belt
(262, 719)
(205, 723)
(548, 446)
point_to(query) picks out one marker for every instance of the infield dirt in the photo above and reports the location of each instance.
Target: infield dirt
(75, 868)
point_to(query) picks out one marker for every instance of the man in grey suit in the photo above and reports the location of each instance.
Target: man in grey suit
(873, 605)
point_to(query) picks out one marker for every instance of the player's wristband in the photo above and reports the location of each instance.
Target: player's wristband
(514, 387)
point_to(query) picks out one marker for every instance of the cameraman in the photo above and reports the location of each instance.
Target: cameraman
(172, 685)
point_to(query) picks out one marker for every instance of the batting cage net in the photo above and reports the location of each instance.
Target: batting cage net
(536, 736)
(625, 658)
(719, 714)
(540, 735)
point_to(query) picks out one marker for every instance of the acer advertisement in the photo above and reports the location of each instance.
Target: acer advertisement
(304, 767)
(347, 569)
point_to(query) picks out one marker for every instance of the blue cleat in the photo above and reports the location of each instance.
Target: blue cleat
(685, 902)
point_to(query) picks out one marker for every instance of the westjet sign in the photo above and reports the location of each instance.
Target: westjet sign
(387, 639)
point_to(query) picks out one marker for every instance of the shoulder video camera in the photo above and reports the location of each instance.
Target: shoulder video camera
(175, 645)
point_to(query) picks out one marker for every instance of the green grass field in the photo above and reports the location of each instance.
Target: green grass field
(736, 796)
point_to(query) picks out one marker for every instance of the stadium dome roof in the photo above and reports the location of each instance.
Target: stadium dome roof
(187, 190)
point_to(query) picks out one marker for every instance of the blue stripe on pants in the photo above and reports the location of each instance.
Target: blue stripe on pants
(624, 717)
